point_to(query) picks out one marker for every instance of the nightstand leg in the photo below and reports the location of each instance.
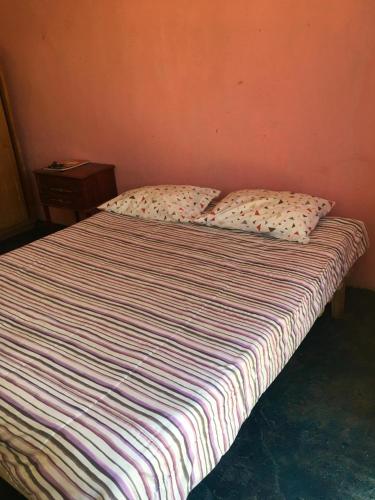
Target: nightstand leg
(47, 213)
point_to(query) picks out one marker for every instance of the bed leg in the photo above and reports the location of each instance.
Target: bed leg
(338, 302)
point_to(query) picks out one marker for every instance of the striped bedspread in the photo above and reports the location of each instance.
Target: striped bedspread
(132, 351)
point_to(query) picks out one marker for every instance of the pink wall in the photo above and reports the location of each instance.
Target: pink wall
(268, 93)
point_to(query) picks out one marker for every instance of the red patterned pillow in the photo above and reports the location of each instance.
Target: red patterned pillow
(284, 215)
(165, 202)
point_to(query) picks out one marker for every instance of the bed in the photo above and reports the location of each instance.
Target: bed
(131, 351)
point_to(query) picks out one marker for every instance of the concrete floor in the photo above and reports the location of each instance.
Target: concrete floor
(312, 434)
(39, 230)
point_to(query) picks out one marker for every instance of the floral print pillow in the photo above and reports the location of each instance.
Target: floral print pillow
(284, 215)
(166, 202)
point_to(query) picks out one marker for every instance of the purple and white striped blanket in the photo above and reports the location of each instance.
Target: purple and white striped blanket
(132, 351)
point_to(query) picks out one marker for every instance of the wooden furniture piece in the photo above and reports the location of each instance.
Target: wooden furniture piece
(80, 189)
(15, 192)
(338, 302)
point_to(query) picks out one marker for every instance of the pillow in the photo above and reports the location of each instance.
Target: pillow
(284, 215)
(167, 202)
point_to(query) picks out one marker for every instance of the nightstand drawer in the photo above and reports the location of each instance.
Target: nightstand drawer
(60, 198)
(58, 184)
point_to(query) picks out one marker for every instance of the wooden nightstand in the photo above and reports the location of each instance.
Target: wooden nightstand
(80, 189)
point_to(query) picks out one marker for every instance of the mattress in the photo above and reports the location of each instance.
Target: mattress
(132, 351)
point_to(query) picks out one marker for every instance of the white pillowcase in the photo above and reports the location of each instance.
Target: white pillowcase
(281, 214)
(165, 202)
